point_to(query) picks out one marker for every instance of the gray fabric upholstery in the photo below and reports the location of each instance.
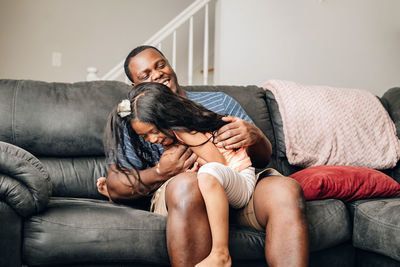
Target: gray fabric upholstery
(377, 227)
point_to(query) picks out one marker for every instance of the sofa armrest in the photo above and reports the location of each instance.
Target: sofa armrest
(24, 182)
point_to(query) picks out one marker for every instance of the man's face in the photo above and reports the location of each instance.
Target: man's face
(151, 66)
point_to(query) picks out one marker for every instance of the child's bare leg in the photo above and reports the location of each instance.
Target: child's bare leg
(102, 186)
(218, 215)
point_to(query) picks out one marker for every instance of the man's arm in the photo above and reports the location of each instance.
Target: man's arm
(238, 133)
(174, 160)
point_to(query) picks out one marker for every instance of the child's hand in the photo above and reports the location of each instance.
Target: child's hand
(194, 168)
(175, 159)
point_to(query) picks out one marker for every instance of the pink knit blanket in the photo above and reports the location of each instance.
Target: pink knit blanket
(335, 126)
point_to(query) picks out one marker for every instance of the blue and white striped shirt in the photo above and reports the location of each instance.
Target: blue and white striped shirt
(218, 102)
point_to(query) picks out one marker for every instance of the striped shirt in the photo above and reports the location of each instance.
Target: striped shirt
(218, 102)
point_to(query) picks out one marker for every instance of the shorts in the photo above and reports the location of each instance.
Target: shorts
(238, 186)
(245, 216)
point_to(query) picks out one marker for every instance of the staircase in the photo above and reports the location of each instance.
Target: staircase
(169, 31)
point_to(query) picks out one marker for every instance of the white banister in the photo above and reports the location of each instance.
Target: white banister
(176, 22)
(190, 55)
(205, 56)
(174, 50)
(158, 37)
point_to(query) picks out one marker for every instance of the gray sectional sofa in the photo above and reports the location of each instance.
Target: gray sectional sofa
(51, 154)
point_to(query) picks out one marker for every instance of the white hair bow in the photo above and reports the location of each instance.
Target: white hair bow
(124, 108)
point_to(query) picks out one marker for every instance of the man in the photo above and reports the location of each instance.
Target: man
(277, 206)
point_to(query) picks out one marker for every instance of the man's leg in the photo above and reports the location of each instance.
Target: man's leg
(188, 230)
(279, 206)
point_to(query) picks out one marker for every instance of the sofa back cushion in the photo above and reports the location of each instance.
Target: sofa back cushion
(63, 125)
(57, 119)
(391, 101)
(251, 98)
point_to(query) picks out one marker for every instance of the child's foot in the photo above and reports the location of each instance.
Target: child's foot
(102, 186)
(217, 259)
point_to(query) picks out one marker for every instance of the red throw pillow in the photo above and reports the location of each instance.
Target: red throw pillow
(345, 182)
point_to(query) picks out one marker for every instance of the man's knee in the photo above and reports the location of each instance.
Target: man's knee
(278, 194)
(183, 192)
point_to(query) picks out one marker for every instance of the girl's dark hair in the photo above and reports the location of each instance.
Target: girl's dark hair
(154, 103)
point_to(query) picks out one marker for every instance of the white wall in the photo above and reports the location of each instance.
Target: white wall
(344, 43)
(87, 33)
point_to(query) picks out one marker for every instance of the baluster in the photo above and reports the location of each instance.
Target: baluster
(205, 56)
(92, 74)
(174, 51)
(190, 56)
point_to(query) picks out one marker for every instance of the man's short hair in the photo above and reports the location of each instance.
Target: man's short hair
(132, 54)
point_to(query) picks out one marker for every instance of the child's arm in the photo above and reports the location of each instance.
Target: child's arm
(209, 152)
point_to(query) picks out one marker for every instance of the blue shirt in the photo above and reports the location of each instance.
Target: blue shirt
(218, 102)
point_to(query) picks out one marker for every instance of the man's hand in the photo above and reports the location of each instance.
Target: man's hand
(237, 133)
(240, 133)
(175, 159)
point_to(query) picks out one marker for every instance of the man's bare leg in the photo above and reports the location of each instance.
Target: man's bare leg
(280, 206)
(188, 230)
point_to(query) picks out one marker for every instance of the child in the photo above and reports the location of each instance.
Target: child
(159, 116)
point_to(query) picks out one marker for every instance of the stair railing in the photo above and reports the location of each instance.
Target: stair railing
(163, 33)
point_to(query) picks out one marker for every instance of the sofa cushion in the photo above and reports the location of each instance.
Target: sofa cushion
(279, 160)
(57, 119)
(391, 101)
(328, 223)
(76, 230)
(75, 177)
(346, 183)
(73, 230)
(377, 226)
